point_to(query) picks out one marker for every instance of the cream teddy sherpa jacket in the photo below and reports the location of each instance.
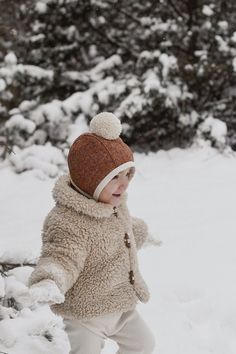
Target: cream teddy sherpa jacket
(90, 251)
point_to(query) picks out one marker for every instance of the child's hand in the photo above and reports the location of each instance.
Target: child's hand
(153, 241)
(45, 291)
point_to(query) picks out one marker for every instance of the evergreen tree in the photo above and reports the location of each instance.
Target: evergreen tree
(164, 67)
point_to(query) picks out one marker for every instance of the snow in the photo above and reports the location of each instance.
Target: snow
(45, 291)
(216, 128)
(27, 334)
(76, 76)
(189, 119)
(46, 160)
(12, 68)
(41, 7)
(80, 100)
(18, 121)
(52, 111)
(145, 54)
(2, 287)
(188, 198)
(222, 44)
(202, 54)
(168, 62)
(28, 70)
(16, 257)
(37, 37)
(158, 25)
(207, 11)
(234, 37)
(79, 127)
(84, 101)
(223, 25)
(93, 51)
(98, 71)
(71, 32)
(152, 82)
(132, 104)
(234, 64)
(27, 105)
(2, 85)
(101, 20)
(207, 25)
(34, 71)
(99, 3)
(103, 97)
(173, 93)
(34, 124)
(10, 59)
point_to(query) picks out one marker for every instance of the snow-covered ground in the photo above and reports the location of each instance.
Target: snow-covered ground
(188, 199)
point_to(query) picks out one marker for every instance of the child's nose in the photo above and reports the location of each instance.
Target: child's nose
(124, 184)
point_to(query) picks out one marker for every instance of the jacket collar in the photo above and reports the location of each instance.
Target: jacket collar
(65, 195)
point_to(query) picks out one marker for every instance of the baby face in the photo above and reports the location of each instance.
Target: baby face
(114, 190)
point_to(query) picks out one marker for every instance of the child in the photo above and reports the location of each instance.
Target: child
(88, 269)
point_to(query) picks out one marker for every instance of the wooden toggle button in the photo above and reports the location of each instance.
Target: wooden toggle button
(131, 277)
(127, 240)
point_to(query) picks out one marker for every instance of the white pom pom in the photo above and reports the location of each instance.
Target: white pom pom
(106, 125)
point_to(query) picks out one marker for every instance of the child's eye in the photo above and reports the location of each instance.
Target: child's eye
(130, 174)
(115, 177)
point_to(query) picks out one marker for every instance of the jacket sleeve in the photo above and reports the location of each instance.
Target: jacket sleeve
(140, 231)
(61, 260)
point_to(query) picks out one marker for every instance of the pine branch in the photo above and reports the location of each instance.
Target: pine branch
(211, 94)
(7, 266)
(132, 17)
(127, 14)
(214, 103)
(113, 41)
(3, 273)
(176, 10)
(6, 145)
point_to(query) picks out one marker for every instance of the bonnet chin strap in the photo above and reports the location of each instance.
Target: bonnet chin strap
(79, 190)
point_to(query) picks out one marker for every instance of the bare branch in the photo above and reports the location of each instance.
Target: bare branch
(177, 11)
(8, 266)
(132, 17)
(114, 42)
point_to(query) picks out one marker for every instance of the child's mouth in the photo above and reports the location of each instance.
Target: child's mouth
(116, 195)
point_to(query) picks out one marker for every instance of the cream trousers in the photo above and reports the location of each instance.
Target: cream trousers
(127, 329)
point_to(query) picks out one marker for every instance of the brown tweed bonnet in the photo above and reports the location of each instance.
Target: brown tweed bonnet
(96, 157)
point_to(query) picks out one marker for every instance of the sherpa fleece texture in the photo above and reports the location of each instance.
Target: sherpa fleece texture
(84, 252)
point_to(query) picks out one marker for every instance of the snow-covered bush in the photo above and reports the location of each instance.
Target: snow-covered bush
(214, 130)
(33, 329)
(45, 160)
(163, 68)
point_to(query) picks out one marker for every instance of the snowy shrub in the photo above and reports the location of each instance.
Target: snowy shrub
(26, 329)
(214, 130)
(162, 68)
(46, 160)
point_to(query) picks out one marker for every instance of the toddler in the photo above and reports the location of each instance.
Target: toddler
(88, 269)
